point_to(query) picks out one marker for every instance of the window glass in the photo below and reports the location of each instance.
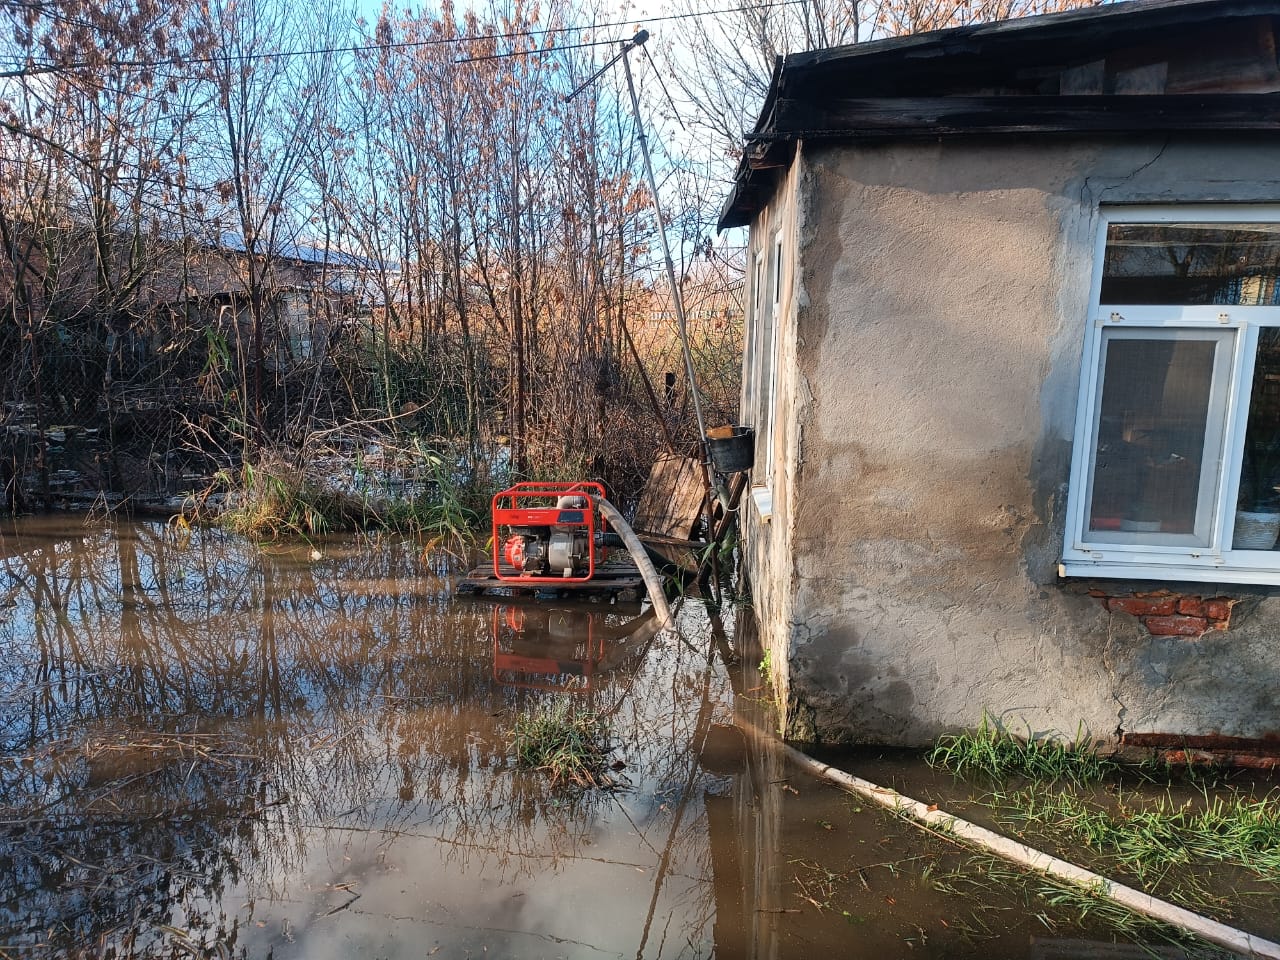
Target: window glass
(1192, 263)
(751, 362)
(771, 359)
(1259, 463)
(764, 356)
(1160, 422)
(758, 285)
(777, 271)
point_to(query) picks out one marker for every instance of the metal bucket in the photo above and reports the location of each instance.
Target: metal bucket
(732, 449)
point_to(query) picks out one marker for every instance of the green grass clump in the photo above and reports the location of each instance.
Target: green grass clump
(1076, 799)
(569, 745)
(283, 494)
(992, 752)
(1148, 838)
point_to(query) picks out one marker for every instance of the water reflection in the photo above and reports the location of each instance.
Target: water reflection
(208, 745)
(563, 648)
(209, 748)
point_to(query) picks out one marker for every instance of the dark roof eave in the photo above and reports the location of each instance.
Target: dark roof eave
(778, 123)
(757, 178)
(1243, 114)
(727, 218)
(1094, 114)
(1107, 20)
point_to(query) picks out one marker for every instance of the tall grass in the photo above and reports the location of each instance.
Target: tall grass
(434, 497)
(277, 499)
(990, 751)
(451, 509)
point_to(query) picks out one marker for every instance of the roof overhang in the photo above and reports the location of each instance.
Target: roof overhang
(1092, 71)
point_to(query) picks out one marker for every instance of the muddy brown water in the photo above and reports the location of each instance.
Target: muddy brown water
(210, 747)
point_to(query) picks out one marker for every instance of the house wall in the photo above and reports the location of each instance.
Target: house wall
(767, 515)
(930, 383)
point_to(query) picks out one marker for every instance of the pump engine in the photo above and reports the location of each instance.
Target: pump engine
(547, 532)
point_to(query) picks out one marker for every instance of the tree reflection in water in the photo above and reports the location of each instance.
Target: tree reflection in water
(210, 746)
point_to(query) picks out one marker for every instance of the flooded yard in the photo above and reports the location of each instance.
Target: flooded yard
(210, 747)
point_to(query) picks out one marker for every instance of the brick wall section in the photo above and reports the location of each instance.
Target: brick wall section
(1167, 614)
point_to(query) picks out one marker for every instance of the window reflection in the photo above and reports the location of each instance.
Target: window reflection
(1151, 435)
(1258, 524)
(1190, 264)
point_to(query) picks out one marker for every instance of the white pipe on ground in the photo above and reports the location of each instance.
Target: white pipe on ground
(1033, 859)
(657, 596)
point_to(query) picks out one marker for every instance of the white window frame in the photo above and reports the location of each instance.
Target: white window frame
(771, 388)
(1104, 554)
(751, 362)
(1216, 430)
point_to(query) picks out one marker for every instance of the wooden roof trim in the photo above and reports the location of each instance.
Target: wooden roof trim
(856, 119)
(1104, 24)
(798, 105)
(753, 189)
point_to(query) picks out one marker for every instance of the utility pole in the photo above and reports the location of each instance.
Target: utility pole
(627, 46)
(712, 493)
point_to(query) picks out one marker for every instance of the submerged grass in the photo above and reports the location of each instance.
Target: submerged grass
(992, 752)
(1199, 850)
(1149, 838)
(1085, 906)
(569, 745)
(960, 901)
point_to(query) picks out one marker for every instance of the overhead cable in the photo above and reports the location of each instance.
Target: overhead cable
(31, 67)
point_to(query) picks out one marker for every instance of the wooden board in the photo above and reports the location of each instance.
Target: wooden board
(681, 554)
(901, 117)
(671, 503)
(688, 555)
(615, 582)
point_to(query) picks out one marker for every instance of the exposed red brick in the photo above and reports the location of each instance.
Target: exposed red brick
(1268, 744)
(1143, 606)
(1191, 606)
(1222, 625)
(1176, 626)
(1153, 593)
(1100, 594)
(1204, 758)
(1219, 608)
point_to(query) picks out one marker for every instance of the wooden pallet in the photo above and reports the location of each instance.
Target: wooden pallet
(614, 582)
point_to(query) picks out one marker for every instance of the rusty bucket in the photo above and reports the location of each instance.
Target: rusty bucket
(732, 449)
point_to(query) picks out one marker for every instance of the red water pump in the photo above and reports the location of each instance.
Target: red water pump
(548, 532)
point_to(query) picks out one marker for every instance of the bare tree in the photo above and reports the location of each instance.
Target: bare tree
(268, 100)
(90, 130)
(721, 64)
(163, 169)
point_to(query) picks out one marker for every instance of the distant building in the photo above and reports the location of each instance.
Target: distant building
(312, 294)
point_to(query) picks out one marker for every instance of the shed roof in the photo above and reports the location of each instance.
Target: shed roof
(1137, 67)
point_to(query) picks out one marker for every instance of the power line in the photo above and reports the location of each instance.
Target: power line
(31, 68)
(663, 84)
(536, 50)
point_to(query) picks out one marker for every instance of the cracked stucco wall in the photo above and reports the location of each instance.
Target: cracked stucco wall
(928, 384)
